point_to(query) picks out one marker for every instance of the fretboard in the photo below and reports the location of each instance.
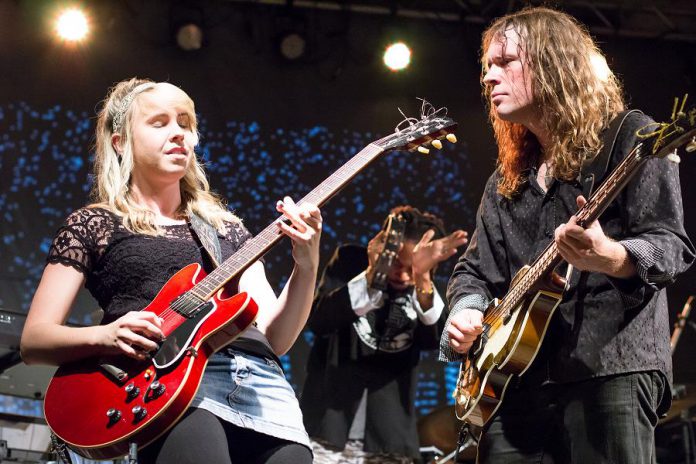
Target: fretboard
(256, 247)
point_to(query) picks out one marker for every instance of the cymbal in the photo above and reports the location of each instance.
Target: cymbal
(440, 428)
(682, 403)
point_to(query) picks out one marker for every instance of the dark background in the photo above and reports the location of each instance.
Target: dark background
(270, 127)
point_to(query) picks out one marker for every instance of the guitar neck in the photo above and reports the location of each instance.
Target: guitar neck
(256, 247)
(598, 202)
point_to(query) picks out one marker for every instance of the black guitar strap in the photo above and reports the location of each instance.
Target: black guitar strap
(207, 236)
(595, 169)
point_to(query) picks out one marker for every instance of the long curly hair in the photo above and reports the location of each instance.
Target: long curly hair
(574, 100)
(112, 172)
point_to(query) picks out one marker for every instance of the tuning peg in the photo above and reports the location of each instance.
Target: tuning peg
(690, 147)
(673, 157)
(423, 150)
(437, 144)
(451, 138)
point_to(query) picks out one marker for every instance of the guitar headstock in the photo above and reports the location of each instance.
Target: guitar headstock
(669, 136)
(414, 134)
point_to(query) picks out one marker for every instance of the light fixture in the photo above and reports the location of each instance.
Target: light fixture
(292, 45)
(189, 37)
(72, 25)
(397, 56)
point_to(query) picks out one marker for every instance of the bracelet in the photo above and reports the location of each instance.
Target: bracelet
(421, 291)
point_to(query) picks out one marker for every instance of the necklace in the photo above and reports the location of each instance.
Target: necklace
(546, 171)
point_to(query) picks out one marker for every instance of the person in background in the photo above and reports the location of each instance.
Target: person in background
(358, 397)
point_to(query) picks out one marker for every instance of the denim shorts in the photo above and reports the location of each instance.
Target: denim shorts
(250, 391)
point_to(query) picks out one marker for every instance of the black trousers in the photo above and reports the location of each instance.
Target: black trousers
(602, 420)
(200, 437)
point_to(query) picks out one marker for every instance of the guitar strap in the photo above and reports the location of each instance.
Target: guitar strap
(595, 169)
(207, 236)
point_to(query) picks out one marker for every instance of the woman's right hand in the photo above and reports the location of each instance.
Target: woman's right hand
(134, 334)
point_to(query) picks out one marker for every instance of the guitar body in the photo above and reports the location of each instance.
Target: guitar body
(81, 394)
(507, 349)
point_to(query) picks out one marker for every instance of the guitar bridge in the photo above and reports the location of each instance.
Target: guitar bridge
(118, 374)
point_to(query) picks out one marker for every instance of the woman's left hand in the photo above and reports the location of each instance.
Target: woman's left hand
(304, 230)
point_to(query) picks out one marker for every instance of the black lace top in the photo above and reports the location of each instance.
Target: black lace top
(125, 270)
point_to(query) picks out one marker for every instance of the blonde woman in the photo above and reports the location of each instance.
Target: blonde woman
(594, 392)
(127, 244)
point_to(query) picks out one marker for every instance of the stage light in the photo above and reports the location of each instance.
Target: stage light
(189, 37)
(397, 56)
(72, 25)
(292, 46)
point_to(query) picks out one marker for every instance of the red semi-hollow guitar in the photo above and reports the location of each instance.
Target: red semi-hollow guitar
(99, 406)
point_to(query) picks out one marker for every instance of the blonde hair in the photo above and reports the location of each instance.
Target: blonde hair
(574, 100)
(112, 172)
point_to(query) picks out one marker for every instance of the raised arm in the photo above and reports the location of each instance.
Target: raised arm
(282, 319)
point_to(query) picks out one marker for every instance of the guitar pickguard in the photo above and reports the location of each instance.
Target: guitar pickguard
(176, 344)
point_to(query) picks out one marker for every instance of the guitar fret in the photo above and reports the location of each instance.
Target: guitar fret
(194, 291)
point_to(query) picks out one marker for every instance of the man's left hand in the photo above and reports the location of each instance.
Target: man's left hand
(590, 249)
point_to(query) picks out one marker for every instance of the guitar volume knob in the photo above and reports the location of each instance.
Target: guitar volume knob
(113, 414)
(139, 412)
(132, 391)
(157, 387)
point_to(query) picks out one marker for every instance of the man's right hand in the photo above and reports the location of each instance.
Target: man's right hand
(464, 328)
